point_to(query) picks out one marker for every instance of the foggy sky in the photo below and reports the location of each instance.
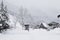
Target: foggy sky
(39, 8)
(46, 6)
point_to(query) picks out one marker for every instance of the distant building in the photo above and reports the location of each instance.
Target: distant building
(54, 24)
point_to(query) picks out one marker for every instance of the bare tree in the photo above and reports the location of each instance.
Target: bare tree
(25, 16)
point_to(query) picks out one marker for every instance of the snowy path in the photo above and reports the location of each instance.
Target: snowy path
(32, 35)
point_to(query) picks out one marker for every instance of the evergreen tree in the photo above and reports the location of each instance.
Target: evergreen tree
(3, 17)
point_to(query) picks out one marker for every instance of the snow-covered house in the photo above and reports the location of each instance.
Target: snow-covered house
(54, 24)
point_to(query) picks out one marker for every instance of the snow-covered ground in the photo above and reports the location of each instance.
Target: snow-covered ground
(38, 34)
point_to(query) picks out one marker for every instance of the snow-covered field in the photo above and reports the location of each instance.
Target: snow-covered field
(38, 34)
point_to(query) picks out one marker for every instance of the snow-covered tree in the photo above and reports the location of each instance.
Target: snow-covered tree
(3, 17)
(24, 16)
